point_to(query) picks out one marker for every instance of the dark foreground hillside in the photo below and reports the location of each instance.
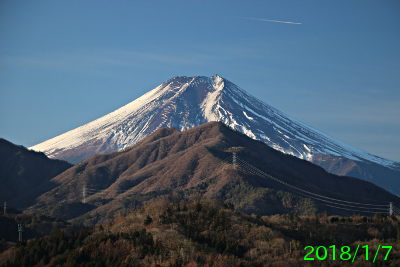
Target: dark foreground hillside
(34, 225)
(212, 233)
(23, 171)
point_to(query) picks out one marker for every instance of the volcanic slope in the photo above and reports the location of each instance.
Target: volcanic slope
(185, 102)
(191, 164)
(22, 171)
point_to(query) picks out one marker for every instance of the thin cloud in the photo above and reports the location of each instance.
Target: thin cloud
(99, 60)
(277, 21)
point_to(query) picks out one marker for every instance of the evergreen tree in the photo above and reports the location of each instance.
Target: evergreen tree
(148, 220)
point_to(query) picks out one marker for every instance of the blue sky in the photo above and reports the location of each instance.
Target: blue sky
(66, 63)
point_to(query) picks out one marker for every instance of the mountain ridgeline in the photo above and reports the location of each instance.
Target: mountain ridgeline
(185, 102)
(197, 163)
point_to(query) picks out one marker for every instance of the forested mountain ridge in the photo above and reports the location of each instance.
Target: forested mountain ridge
(212, 233)
(198, 162)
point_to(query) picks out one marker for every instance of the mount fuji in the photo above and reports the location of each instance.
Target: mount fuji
(184, 102)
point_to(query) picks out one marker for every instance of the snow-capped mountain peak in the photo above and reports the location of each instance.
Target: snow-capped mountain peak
(184, 102)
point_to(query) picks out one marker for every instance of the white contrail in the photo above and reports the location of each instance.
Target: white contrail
(269, 20)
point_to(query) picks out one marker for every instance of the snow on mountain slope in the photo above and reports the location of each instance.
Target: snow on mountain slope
(185, 102)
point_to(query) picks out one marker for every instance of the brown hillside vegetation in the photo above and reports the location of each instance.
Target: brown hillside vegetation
(190, 163)
(212, 233)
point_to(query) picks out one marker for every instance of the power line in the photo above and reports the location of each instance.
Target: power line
(269, 176)
(308, 192)
(316, 198)
(333, 201)
(347, 209)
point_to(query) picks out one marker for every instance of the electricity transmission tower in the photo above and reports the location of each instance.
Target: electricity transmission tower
(84, 194)
(20, 230)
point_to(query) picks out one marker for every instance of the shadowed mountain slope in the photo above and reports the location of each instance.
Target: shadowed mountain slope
(191, 163)
(23, 170)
